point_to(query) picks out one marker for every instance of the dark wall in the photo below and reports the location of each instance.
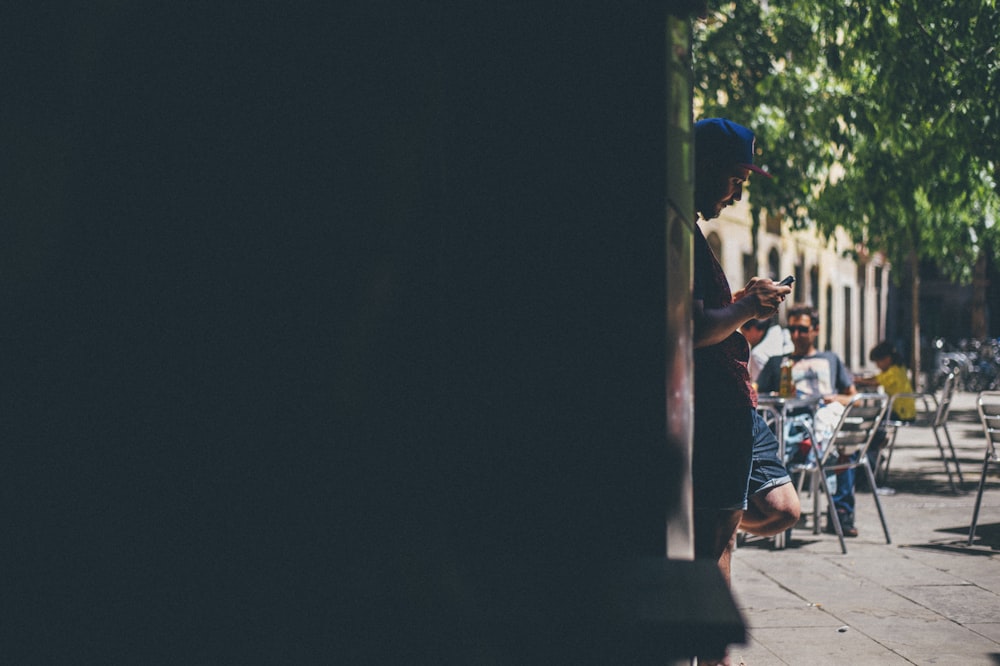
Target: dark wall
(332, 331)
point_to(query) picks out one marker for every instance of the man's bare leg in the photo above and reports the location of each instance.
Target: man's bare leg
(772, 511)
(714, 539)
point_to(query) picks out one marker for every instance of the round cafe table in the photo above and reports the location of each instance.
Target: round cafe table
(780, 408)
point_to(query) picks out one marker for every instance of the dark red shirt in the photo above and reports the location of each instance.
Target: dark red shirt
(721, 372)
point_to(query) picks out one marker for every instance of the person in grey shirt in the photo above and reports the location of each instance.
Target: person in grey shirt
(766, 339)
(817, 373)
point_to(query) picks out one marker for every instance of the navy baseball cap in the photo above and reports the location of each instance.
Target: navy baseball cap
(728, 141)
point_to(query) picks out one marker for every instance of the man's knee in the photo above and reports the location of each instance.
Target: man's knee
(787, 505)
(778, 509)
(714, 532)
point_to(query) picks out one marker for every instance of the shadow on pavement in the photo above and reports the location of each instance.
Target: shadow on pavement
(987, 541)
(930, 479)
(767, 543)
(920, 482)
(964, 416)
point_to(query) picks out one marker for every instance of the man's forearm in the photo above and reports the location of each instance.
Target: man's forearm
(715, 325)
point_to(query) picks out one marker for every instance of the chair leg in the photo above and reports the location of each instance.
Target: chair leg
(979, 498)
(816, 478)
(884, 458)
(944, 459)
(800, 484)
(954, 458)
(801, 481)
(878, 503)
(834, 518)
(814, 482)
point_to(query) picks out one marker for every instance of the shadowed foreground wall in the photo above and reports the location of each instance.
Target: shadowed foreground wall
(333, 332)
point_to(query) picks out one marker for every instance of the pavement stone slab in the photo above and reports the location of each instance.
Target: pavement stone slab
(989, 630)
(925, 598)
(963, 604)
(819, 646)
(935, 642)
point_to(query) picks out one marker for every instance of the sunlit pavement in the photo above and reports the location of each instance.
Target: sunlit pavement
(926, 598)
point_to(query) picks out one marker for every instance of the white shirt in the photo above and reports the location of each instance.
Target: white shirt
(776, 341)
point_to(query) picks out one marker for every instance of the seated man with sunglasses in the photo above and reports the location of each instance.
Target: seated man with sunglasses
(815, 373)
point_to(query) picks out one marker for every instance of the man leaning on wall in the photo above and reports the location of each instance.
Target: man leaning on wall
(734, 453)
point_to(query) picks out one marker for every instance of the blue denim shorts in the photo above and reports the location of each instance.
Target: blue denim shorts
(735, 456)
(767, 470)
(722, 457)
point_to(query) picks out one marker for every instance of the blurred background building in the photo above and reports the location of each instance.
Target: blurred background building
(851, 288)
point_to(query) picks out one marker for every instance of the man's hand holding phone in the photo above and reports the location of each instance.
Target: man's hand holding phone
(768, 294)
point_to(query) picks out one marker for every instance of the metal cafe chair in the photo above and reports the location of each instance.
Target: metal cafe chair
(852, 434)
(988, 406)
(775, 411)
(930, 413)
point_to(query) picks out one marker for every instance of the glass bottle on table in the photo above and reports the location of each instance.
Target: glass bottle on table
(786, 389)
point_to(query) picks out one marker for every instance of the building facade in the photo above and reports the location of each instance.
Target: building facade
(848, 286)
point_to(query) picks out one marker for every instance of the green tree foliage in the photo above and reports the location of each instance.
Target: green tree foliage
(881, 117)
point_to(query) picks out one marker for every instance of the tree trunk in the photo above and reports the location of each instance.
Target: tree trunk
(977, 324)
(916, 376)
(754, 240)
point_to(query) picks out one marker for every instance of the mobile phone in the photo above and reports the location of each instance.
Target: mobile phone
(787, 281)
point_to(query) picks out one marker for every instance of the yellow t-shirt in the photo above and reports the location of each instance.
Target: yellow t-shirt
(894, 380)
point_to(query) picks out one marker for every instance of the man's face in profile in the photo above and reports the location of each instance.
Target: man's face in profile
(803, 334)
(717, 187)
(753, 334)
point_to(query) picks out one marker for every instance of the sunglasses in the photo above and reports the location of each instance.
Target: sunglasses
(799, 329)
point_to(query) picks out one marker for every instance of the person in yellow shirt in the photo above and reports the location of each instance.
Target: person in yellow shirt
(893, 379)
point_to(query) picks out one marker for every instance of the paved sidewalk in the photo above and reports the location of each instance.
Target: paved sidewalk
(926, 598)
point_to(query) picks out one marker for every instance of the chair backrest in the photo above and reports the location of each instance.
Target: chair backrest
(944, 404)
(988, 406)
(925, 407)
(769, 414)
(858, 424)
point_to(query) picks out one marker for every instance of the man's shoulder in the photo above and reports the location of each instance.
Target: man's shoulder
(772, 343)
(776, 360)
(827, 354)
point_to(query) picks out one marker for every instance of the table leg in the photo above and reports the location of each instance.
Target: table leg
(779, 424)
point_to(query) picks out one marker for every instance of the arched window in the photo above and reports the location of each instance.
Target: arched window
(773, 264)
(814, 286)
(749, 267)
(862, 290)
(879, 321)
(828, 318)
(848, 318)
(715, 243)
